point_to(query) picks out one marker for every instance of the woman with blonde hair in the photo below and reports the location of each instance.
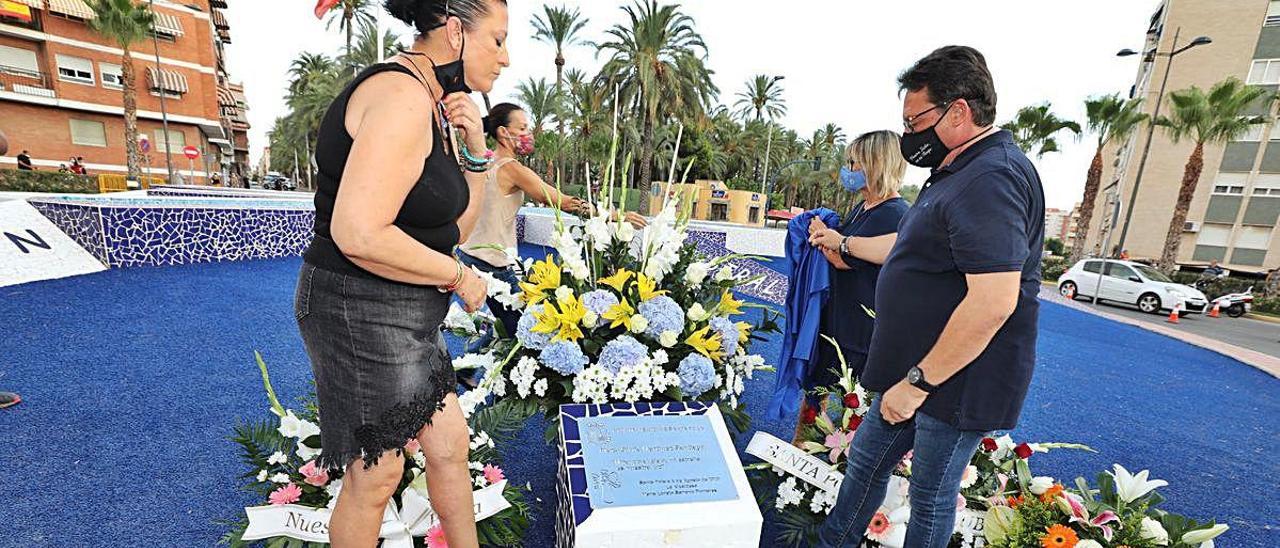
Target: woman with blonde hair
(856, 249)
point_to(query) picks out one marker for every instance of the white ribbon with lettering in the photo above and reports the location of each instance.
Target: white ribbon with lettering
(795, 461)
(399, 527)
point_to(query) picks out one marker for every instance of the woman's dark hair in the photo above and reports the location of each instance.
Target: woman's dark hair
(428, 15)
(499, 116)
(955, 72)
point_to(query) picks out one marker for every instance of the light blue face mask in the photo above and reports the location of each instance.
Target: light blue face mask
(853, 181)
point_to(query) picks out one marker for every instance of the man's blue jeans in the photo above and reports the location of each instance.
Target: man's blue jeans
(941, 454)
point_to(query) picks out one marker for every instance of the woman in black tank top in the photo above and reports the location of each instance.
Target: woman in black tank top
(401, 156)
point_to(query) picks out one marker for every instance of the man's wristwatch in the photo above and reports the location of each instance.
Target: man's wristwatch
(844, 245)
(915, 377)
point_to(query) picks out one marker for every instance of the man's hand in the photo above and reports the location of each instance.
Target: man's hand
(900, 403)
(835, 259)
(826, 238)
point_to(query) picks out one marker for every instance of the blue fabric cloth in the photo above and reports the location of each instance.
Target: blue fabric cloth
(807, 287)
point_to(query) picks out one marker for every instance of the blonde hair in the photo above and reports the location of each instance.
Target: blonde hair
(880, 156)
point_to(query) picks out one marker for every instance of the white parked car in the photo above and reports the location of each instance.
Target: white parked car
(1131, 283)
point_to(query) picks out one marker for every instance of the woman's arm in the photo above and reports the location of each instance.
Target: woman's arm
(538, 190)
(874, 250)
(388, 131)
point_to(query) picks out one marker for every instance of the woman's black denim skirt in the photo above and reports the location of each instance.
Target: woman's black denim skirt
(380, 362)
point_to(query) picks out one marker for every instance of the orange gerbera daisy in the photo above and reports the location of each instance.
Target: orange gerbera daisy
(1016, 502)
(1051, 493)
(1059, 536)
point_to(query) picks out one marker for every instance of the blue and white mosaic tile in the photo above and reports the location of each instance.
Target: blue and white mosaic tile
(83, 224)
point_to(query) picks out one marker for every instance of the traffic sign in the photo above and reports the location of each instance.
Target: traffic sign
(144, 144)
(191, 152)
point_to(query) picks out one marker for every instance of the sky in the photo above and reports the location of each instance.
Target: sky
(840, 58)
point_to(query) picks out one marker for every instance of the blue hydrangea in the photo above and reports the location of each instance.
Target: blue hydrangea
(664, 314)
(697, 375)
(622, 352)
(525, 333)
(599, 301)
(728, 334)
(565, 357)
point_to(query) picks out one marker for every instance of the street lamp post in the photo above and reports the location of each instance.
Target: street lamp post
(768, 148)
(1151, 126)
(164, 111)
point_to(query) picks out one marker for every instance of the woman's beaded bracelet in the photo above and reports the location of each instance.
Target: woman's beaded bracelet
(474, 161)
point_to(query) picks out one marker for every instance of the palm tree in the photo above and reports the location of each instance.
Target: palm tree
(349, 14)
(762, 96)
(540, 100)
(1035, 128)
(364, 51)
(125, 23)
(560, 28)
(659, 63)
(308, 68)
(1112, 119)
(832, 136)
(1215, 117)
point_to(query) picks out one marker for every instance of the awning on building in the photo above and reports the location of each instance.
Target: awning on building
(37, 4)
(218, 4)
(225, 98)
(16, 10)
(167, 80)
(224, 36)
(167, 24)
(220, 20)
(72, 8)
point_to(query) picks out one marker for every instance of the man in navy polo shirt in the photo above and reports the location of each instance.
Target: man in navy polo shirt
(956, 308)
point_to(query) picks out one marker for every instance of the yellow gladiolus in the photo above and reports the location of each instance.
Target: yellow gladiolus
(707, 343)
(647, 287)
(620, 314)
(618, 280)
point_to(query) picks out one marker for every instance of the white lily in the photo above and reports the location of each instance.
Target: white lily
(1204, 536)
(1131, 487)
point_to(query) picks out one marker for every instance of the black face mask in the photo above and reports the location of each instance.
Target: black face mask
(452, 76)
(924, 148)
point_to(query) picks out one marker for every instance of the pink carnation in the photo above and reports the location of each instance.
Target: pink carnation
(493, 474)
(314, 474)
(286, 494)
(412, 446)
(435, 537)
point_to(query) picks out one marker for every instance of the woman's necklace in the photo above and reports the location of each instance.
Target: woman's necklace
(446, 129)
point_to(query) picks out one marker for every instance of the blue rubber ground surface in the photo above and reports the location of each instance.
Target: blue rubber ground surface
(132, 380)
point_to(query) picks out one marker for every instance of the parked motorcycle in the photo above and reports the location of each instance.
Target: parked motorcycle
(1235, 304)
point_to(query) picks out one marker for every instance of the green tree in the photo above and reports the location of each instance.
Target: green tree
(1112, 119)
(559, 27)
(763, 95)
(1055, 246)
(1035, 128)
(1214, 117)
(658, 60)
(540, 100)
(125, 23)
(307, 69)
(364, 52)
(348, 15)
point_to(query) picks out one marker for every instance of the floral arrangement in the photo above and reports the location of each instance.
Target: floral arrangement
(621, 315)
(281, 455)
(1001, 504)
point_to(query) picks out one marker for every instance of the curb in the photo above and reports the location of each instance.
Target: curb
(1263, 362)
(1263, 317)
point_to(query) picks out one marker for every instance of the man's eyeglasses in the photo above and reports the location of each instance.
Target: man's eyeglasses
(908, 123)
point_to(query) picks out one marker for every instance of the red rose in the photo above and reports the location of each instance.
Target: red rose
(1023, 451)
(851, 401)
(989, 445)
(854, 422)
(809, 415)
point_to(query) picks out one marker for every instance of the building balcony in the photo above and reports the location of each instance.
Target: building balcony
(26, 82)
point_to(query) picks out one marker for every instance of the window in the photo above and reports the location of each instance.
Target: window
(1266, 185)
(1265, 71)
(1273, 14)
(19, 61)
(75, 69)
(177, 139)
(1123, 272)
(753, 216)
(1228, 189)
(1253, 134)
(719, 212)
(1093, 266)
(111, 77)
(1152, 274)
(1214, 235)
(88, 133)
(1254, 237)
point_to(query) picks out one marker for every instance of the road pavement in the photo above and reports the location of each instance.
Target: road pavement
(1257, 335)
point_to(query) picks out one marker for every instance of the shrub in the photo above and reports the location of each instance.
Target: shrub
(1052, 268)
(1220, 286)
(1269, 305)
(12, 180)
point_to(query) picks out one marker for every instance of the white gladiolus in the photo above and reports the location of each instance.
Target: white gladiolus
(696, 273)
(1040, 484)
(597, 229)
(668, 339)
(280, 478)
(262, 476)
(277, 458)
(724, 274)
(458, 320)
(305, 452)
(623, 231)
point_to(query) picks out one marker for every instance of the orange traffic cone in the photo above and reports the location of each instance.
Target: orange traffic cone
(1173, 315)
(1215, 313)
(1071, 293)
